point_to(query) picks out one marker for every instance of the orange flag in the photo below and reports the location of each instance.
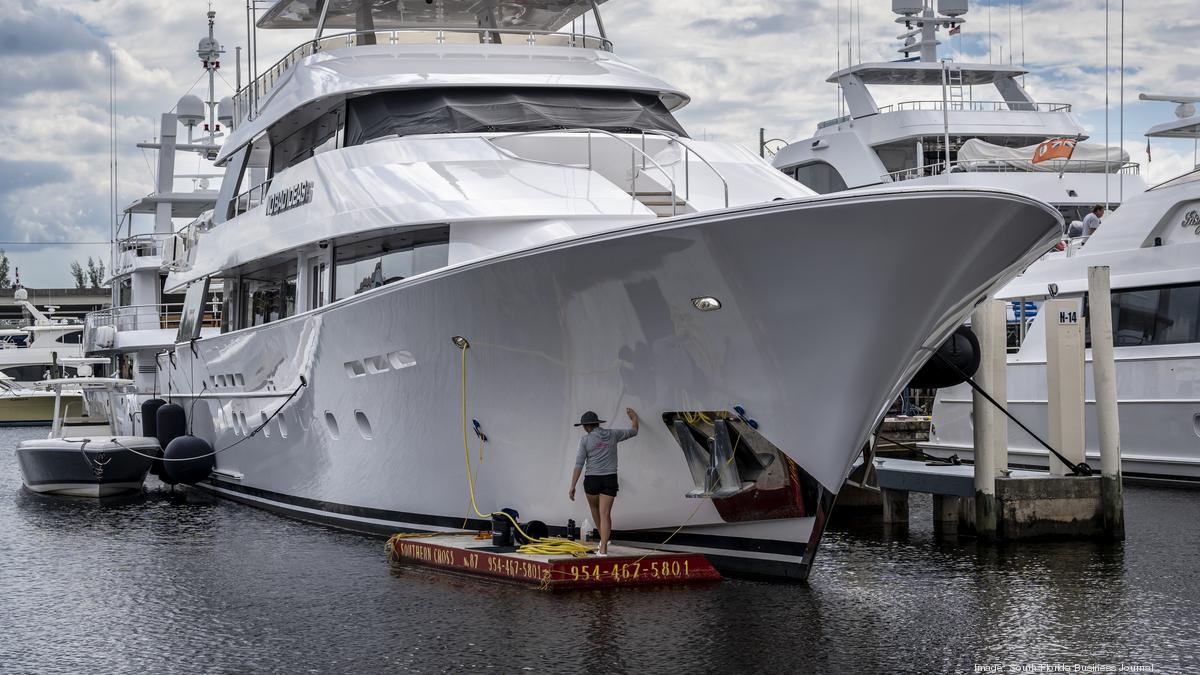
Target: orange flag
(1055, 148)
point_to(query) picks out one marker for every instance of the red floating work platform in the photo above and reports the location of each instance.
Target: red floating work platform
(623, 566)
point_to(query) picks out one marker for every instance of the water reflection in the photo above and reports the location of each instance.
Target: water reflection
(161, 583)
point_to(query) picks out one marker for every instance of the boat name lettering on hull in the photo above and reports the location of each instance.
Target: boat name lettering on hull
(1192, 220)
(287, 199)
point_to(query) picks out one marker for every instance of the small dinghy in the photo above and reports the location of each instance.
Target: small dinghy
(83, 455)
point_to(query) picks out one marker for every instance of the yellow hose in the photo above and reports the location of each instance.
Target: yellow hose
(536, 546)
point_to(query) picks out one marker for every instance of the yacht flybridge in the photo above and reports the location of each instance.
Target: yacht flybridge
(964, 124)
(466, 215)
(1152, 248)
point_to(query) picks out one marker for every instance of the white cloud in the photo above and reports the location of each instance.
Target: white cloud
(746, 63)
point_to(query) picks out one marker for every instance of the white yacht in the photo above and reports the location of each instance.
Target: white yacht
(142, 323)
(1153, 250)
(463, 215)
(22, 405)
(29, 354)
(962, 124)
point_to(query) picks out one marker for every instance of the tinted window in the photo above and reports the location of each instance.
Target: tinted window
(1156, 316)
(354, 277)
(32, 373)
(71, 338)
(820, 177)
(315, 137)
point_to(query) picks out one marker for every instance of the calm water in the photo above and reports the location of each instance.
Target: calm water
(202, 585)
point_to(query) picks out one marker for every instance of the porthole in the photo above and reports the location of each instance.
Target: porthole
(332, 424)
(364, 424)
(400, 360)
(265, 429)
(376, 365)
(355, 369)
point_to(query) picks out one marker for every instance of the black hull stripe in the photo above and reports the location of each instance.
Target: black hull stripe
(728, 543)
(112, 481)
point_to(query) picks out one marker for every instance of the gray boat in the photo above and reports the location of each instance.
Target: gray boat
(83, 456)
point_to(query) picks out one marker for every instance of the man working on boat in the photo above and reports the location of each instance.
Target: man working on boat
(1091, 222)
(598, 449)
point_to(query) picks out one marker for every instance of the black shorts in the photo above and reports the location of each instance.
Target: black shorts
(601, 485)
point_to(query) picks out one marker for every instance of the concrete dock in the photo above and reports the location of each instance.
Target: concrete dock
(1029, 504)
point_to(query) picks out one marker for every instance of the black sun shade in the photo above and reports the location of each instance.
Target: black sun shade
(442, 111)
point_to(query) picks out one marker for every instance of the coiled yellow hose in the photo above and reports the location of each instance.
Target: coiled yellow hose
(536, 546)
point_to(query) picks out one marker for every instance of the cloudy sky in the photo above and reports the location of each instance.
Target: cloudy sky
(746, 63)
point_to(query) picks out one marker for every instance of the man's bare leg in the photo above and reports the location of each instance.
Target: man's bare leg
(606, 504)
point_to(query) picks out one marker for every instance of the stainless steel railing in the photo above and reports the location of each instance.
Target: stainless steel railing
(141, 317)
(245, 102)
(1015, 166)
(635, 152)
(977, 106)
(250, 199)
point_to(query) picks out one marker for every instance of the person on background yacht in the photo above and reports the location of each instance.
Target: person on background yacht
(1091, 222)
(598, 449)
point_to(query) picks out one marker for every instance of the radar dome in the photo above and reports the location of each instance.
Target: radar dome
(908, 6)
(225, 111)
(952, 7)
(1185, 110)
(190, 110)
(208, 48)
(21, 295)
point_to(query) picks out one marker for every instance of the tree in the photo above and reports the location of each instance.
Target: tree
(95, 272)
(5, 282)
(77, 274)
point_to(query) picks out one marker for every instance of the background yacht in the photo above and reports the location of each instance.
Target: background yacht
(462, 215)
(29, 354)
(1153, 249)
(962, 124)
(136, 335)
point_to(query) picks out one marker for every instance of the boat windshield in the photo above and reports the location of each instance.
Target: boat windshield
(444, 111)
(1190, 177)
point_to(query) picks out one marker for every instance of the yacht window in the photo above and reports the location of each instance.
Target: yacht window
(125, 292)
(366, 265)
(1156, 316)
(444, 111)
(33, 373)
(820, 177)
(70, 338)
(316, 137)
(268, 295)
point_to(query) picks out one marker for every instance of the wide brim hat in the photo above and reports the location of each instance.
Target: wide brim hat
(589, 417)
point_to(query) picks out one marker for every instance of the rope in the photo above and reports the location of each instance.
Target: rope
(953, 459)
(536, 545)
(1080, 469)
(303, 384)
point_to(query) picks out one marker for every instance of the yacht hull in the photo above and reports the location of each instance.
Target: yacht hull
(1157, 400)
(828, 305)
(33, 409)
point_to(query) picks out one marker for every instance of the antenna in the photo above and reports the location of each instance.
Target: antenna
(922, 22)
(1106, 109)
(210, 52)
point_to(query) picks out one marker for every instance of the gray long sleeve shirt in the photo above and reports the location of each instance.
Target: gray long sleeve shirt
(598, 449)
